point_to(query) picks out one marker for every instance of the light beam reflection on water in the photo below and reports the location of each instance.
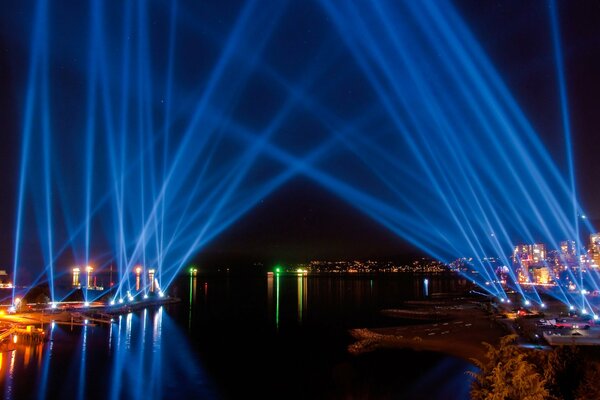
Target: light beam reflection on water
(142, 356)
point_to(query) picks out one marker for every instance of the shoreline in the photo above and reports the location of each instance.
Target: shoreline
(453, 328)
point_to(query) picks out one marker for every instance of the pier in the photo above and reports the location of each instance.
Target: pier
(29, 326)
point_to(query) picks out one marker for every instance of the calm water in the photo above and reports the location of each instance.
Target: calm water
(240, 337)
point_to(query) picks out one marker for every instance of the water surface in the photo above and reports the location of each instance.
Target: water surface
(241, 336)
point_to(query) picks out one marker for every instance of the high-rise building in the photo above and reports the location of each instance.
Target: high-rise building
(595, 241)
(538, 252)
(594, 250)
(529, 254)
(541, 275)
(567, 248)
(526, 256)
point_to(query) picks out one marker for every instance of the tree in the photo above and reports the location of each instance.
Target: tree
(562, 368)
(512, 372)
(515, 379)
(507, 374)
(589, 389)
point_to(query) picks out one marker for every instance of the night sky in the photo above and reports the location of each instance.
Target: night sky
(302, 220)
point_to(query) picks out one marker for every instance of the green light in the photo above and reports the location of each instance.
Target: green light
(278, 269)
(277, 303)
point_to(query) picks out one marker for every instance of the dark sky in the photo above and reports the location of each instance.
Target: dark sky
(302, 220)
(516, 35)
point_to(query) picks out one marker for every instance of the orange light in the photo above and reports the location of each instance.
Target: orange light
(138, 270)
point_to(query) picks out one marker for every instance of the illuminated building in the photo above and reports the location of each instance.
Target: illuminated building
(529, 253)
(567, 248)
(594, 250)
(76, 282)
(526, 256)
(4, 280)
(151, 278)
(538, 252)
(89, 271)
(541, 275)
(595, 241)
(521, 254)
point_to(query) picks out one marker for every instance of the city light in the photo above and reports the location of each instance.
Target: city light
(86, 304)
